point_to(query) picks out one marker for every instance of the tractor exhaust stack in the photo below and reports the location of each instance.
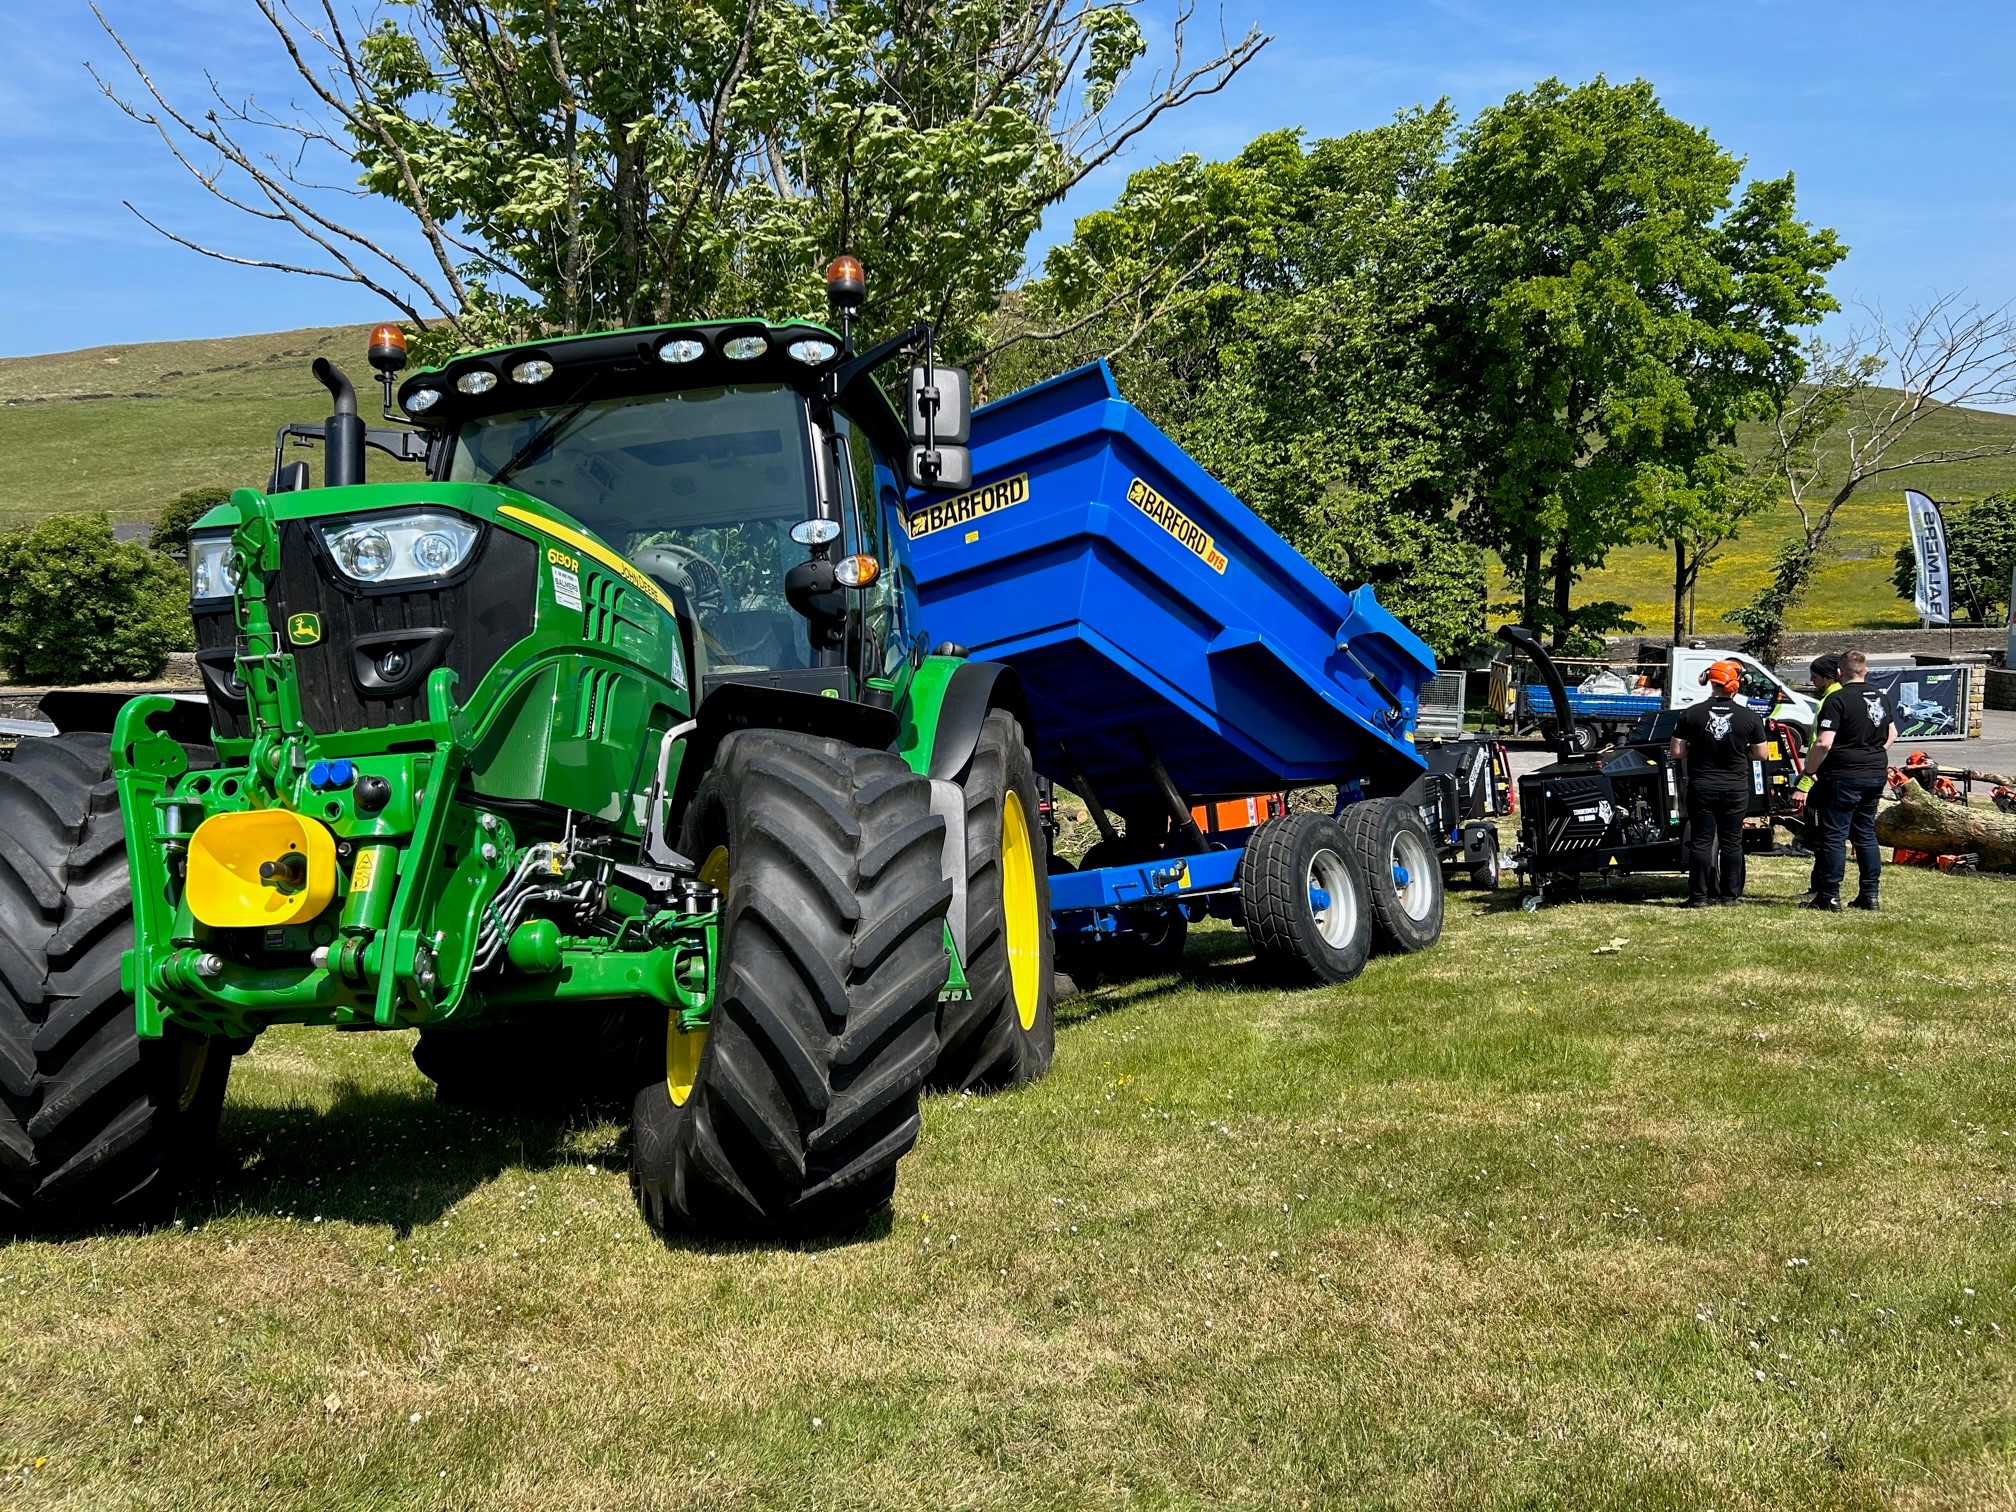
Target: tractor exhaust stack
(343, 431)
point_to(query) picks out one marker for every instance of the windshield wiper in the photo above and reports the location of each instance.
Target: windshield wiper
(541, 440)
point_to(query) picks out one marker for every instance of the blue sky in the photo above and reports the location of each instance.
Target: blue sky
(1897, 119)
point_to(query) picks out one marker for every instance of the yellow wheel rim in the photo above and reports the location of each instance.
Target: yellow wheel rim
(682, 1048)
(1024, 924)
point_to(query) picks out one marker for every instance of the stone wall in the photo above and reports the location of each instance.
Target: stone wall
(1804, 645)
(19, 701)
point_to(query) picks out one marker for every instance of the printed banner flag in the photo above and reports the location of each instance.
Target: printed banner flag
(1928, 536)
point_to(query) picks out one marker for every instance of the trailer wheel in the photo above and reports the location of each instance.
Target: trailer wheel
(788, 1114)
(98, 1127)
(1303, 897)
(1402, 879)
(1005, 1034)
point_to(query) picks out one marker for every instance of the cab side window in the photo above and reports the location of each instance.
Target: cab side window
(867, 514)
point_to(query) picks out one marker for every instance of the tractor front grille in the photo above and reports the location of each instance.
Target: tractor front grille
(487, 609)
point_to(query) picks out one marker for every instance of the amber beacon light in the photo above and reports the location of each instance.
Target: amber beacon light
(846, 284)
(388, 348)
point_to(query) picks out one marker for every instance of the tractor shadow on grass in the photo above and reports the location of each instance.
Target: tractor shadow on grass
(404, 1160)
(1214, 960)
(400, 1159)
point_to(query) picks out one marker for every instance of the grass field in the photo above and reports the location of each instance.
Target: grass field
(1852, 590)
(125, 429)
(1723, 1219)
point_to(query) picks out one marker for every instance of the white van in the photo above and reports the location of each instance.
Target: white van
(1763, 689)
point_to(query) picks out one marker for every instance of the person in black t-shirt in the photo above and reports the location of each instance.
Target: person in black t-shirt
(1720, 740)
(1850, 759)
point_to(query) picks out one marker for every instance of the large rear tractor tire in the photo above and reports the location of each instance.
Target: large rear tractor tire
(99, 1128)
(1005, 1034)
(788, 1116)
(1403, 878)
(1303, 898)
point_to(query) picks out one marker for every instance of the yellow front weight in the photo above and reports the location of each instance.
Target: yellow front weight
(260, 869)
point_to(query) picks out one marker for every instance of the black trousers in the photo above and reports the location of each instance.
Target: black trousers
(1715, 845)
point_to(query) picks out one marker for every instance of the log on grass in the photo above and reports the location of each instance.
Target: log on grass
(1918, 821)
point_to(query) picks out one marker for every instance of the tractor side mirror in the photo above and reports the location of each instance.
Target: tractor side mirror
(290, 477)
(940, 423)
(941, 469)
(941, 410)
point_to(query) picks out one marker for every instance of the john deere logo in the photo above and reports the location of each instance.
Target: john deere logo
(304, 629)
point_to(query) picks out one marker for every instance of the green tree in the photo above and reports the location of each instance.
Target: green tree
(1269, 313)
(1698, 511)
(171, 529)
(575, 164)
(1980, 558)
(1615, 308)
(76, 605)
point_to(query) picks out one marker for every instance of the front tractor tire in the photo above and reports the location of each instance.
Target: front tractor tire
(1005, 1034)
(788, 1118)
(99, 1129)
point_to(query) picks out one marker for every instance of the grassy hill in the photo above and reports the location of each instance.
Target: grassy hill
(125, 428)
(1852, 591)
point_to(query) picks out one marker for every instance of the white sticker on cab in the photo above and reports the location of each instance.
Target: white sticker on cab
(566, 588)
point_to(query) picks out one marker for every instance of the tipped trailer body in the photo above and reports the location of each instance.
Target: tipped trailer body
(1175, 651)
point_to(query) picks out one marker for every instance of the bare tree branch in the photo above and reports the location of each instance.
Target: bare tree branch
(389, 296)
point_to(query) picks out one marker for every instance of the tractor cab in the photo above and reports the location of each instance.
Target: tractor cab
(753, 473)
(717, 494)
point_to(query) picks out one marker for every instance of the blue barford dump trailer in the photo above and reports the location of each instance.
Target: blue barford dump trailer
(1175, 651)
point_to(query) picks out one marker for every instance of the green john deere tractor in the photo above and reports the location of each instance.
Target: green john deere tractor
(612, 757)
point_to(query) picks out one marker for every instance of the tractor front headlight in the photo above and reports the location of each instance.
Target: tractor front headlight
(213, 567)
(399, 548)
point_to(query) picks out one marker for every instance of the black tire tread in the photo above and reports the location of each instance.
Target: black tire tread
(1274, 899)
(824, 1023)
(92, 1130)
(982, 1045)
(1365, 825)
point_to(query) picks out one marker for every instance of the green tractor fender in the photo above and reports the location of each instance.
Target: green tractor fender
(945, 706)
(963, 701)
(751, 706)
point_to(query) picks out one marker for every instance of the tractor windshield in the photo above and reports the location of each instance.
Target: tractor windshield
(699, 488)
